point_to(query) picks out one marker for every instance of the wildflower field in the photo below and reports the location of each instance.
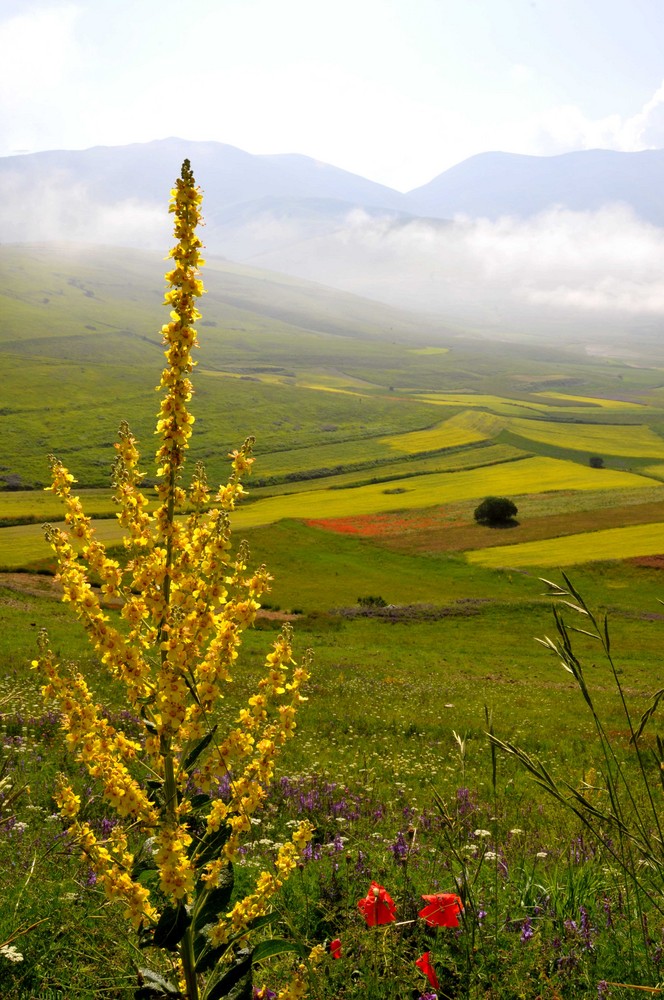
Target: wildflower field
(434, 805)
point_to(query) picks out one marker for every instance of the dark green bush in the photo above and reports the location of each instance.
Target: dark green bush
(496, 510)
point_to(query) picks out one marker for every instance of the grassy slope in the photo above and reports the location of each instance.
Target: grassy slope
(331, 385)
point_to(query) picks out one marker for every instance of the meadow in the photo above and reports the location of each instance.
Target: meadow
(423, 624)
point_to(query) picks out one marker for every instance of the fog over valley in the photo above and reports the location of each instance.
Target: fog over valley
(529, 265)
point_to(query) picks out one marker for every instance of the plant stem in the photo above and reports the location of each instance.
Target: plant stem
(187, 942)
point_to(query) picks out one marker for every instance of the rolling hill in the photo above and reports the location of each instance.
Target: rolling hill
(563, 246)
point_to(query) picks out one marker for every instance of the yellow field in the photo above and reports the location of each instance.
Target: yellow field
(280, 378)
(428, 350)
(45, 505)
(499, 404)
(654, 470)
(637, 441)
(530, 475)
(590, 546)
(608, 404)
(447, 434)
(24, 544)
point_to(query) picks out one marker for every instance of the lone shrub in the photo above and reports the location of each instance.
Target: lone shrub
(372, 602)
(496, 510)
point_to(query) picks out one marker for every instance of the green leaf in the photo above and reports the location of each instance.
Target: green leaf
(155, 788)
(236, 983)
(143, 864)
(153, 986)
(209, 848)
(648, 714)
(277, 946)
(171, 928)
(147, 876)
(198, 801)
(213, 901)
(207, 956)
(194, 754)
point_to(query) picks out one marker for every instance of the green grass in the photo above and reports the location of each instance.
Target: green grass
(385, 700)
(398, 698)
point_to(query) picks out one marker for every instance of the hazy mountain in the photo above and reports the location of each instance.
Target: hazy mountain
(486, 185)
(144, 171)
(495, 184)
(572, 243)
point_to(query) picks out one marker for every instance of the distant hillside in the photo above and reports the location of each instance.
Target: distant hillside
(494, 184)
(143, 172)
(291, 362)
(239, 184)
(566, 246)
(89, 295)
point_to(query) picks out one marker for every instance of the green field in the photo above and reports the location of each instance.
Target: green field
(423, 625)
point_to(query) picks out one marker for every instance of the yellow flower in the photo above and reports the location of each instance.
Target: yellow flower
(185, 598)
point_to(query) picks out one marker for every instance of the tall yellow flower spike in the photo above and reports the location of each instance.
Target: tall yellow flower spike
(184, 602)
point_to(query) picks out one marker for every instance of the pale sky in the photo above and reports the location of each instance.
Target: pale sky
(394, 90)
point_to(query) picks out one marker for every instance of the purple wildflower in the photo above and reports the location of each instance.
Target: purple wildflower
(587, 930)
(400, 849)
(526, 930)
(606, 904)
(312, 852)
(465, 803)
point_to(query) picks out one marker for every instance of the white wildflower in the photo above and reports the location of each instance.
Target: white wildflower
(11, 953)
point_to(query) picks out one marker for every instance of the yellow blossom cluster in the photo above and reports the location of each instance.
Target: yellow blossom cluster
(296, 989)
(256, 903)
(166, 623)
(112, 861)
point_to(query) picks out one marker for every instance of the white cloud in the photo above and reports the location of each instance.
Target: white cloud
(565, 127)
(59, 210)
(521, 73)
(39, 52)
(37, 49)
(586, 266)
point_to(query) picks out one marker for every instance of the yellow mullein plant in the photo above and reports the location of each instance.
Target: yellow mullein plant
(185, 599)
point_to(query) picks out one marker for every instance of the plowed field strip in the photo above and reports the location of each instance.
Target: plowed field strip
(457, 538)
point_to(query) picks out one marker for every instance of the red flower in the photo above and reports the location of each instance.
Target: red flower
(443, 909)
(378, 906)
(424, 963)
(335, 948)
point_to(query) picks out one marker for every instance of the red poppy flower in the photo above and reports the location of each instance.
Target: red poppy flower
(424, 964)
(443, 909)
(377, 907)
(335, 948)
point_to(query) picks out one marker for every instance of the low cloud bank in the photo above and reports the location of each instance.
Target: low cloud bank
(564, 270)
(59, 210)
(605, 263)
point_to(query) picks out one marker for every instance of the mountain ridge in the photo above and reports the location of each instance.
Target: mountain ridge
(497, 243)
